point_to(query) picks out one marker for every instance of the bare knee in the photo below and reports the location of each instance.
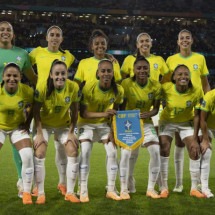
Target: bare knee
(194, 151)
(71, 149)
(178, 140)
(165, 145)
(40, 152)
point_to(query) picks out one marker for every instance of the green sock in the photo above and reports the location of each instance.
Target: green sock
(17, 160)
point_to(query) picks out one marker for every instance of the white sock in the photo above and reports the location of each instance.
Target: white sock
(154, 165)
(194, 172)
(86, 148)
(71, 172)
(39, 171)
(112, 166)
(124, 167)
(164, 171)
(159, 181)
(179, 165)
(132, 162)
(26, 155)
(60, 161)
(205, 169)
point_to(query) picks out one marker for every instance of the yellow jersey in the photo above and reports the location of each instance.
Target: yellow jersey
(12, 106)
(157, 66)
(87, 70)
(55, 111)
(208, 105)
(97, 100)
(195, 62)
(43, 58)
(179, 106)
(141, 98)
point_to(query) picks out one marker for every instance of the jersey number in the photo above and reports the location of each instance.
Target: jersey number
(178, 110)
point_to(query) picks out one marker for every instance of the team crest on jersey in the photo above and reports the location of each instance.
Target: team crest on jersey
(21, 104)
(112, 100)
(195, 66)
(188, 103)
(155, 66)
(203, 103)
(63, 58)
(150, 95)
(67, 99)
(18, 58)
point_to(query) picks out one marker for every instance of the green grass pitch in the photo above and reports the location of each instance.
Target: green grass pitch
(139, 204)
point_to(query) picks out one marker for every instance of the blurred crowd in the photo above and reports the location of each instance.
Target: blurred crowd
(205, 6)
(122, 34)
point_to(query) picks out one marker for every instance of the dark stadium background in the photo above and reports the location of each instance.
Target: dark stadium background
(121, 20)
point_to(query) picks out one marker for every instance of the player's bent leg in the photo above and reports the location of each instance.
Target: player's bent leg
(132, 162)
(165, 144)
(123, 168)
(39, 170)
(60, 161)
(112, 168)
(194, 154)
(27, 173)
(205, 172)
(71, 171)
(154, 169)
(179, 163)
(86, 148)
